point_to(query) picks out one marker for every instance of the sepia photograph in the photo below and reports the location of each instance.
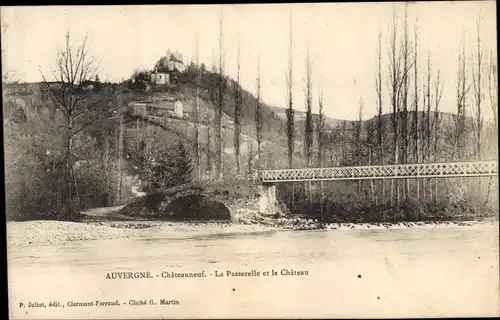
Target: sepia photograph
(292, 160)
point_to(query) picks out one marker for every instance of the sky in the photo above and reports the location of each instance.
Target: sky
(341, 37)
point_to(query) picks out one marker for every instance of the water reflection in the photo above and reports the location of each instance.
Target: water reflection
(435, 269)
(255, 247)
(233, 235)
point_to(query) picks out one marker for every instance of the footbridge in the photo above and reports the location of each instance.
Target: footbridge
(269, 178)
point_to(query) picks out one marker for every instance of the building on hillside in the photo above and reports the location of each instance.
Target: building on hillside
(179, 110)
(176, 66)
(174, 56)
(160, 78)
(171, 62)
(176, 109)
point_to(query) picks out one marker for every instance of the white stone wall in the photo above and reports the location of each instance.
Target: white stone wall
(179, 109)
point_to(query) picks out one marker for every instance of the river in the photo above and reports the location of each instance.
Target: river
(414, 272)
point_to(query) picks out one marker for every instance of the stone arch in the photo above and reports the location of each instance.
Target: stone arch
(195, 205)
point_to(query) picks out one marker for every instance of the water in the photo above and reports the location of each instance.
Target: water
(355, 273)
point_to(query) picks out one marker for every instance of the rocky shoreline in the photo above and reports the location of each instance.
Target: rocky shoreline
(42, 232)
(45, 232)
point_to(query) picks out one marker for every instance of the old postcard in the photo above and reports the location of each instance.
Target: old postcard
(331, 160)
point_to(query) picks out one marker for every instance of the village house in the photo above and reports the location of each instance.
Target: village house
(176, 109)
(160, 78)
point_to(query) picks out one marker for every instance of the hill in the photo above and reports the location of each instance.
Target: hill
(342, 146)
(340, 133)
(34, 147)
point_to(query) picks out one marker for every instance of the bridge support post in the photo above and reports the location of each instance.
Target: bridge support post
(267, 201)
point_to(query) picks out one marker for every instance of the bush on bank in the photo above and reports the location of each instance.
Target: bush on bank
(344, 209)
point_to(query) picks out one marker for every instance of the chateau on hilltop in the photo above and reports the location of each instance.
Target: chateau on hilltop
(166, 67)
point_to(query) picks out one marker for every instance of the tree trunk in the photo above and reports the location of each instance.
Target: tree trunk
(197, 136)
(221, 172)
(120, 155)
(71, 179)
(321, 202)
(105, 170)
(69, 184)
(209, 153)
(310, 197)
(372, 190)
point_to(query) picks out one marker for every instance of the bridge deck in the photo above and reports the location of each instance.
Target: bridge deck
(403, 171)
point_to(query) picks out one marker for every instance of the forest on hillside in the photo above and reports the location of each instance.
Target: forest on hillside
(70, 145)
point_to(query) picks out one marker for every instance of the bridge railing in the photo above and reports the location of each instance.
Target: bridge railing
(401, 171)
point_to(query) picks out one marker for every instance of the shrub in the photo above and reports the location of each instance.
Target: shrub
(35, 176)
(167, 163)
(346, 206)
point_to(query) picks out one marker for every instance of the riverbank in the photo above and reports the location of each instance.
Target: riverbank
(42, 232)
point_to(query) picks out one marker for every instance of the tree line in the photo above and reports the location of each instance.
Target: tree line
(408, 128)
(76, 158)
(413, 129)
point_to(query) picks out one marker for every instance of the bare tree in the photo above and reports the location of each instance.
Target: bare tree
(320, 130)
(106, 169)
(207, 121)
(79, 107)
(477, 81)
(380, 122)
(250, 157)
(357, 149)
(493, 87)
(342, 136)
(493, 97)
(218, 91)
(290, 112)
(237, 114)
(120, 151)
(370, 141)
(416, 117)
(308, 131)
(438, 92)
(463, 88)
(404, 96)
(290, 128)
(197, 155)
(394, 87)
(427, 139)
(258, 115)
(399, 68)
